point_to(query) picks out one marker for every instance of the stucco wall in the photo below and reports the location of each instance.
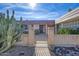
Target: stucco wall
(23, 40)
(66, 40)
(36, 26)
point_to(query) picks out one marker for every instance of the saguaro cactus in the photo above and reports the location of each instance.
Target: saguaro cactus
(10, 31)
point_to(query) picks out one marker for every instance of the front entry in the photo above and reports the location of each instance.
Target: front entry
(32, 37)
(41, 37)
(41, 47)
(41, 28)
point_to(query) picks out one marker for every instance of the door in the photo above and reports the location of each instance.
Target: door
(41, 28)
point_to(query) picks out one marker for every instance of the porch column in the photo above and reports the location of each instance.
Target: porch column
(50, 34)
(46, 29)
(31, 40)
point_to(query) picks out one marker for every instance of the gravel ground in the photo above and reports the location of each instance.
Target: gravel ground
(19, 51)
(64, 51)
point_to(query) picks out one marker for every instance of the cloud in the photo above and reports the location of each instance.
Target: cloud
(38, 15)
(23, 10)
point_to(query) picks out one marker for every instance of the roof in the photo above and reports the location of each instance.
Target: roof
(39, 22)
(68, 16)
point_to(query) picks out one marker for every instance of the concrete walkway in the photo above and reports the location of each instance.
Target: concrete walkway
(41, 48)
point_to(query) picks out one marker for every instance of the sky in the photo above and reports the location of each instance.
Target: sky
(38, 11)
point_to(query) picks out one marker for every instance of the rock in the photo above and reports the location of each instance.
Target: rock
(66, 51)
(21, 53)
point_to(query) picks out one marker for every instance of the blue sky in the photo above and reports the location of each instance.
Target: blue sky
(42, 11)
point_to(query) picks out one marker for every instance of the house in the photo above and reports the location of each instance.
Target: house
(69, 20)
(38, 25)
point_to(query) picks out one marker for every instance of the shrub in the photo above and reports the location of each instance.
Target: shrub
(68, 31)
(37, 32)
(64, 31)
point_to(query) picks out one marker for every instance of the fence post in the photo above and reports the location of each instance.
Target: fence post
(31, 40)
(51, 35)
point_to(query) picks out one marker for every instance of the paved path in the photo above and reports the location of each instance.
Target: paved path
(41, 48)
(41, 37)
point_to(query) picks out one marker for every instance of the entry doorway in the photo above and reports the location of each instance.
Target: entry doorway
(41, 28)
(42, 36)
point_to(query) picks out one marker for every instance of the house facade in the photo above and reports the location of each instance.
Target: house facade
(69, 20)
(38, 25)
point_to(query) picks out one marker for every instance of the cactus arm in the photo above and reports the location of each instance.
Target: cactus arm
(10, 31)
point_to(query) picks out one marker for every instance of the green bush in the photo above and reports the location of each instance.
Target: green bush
(68, 31)
(37, 32)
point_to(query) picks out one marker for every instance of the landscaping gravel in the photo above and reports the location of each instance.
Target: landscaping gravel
(19, 51)
(64, 51)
